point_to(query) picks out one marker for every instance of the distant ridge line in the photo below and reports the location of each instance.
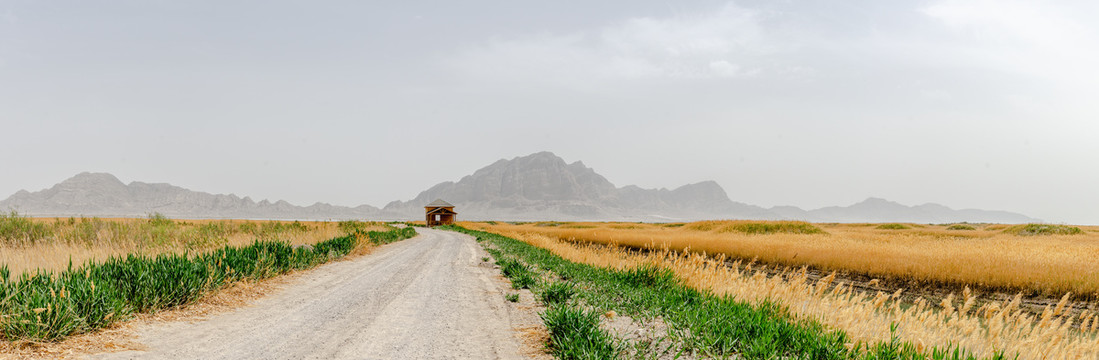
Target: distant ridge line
(539, 186)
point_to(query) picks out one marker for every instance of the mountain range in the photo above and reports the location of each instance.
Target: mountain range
(540, 186)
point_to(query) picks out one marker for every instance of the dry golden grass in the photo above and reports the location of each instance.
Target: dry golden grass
(864, 317)
(1052, 265)
(93, 239)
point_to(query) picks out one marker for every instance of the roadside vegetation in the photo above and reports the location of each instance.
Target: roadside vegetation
(48, 304)
(1050, 260)
(580, 287)
(985, 329)
(31, 244)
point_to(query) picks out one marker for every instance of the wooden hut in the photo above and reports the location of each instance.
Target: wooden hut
(439, 212)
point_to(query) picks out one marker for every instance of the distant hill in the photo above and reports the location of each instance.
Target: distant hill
(881, 210)
(543, 186)
(540, 186)
(100, 194)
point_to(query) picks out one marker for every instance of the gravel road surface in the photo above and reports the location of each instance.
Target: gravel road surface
(429, 297)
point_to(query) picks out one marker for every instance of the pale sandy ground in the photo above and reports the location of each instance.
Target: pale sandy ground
(429, 297)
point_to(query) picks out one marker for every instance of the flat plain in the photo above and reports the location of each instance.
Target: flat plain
(853, 290)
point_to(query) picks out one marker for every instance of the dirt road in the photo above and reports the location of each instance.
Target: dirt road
(421, 298)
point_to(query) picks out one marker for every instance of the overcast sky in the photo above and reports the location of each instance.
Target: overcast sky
(970, 104)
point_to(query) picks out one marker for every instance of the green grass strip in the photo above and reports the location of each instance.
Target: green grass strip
(51, 306)
(575, 334)
(700, 322)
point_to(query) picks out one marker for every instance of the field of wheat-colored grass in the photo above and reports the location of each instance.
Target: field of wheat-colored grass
(869, 318)
(992, 256)
(30, 244)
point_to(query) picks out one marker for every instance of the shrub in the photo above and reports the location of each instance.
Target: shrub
(351, 226)
(763, 228)
(15, 228)
(575, 334)
(158, 219)
(703, 225)
(523, 280)
(960, 227)
(1043, 229)
(510, 267)
(558, 293)
(519, 273)
(647, 275)
(385, 237)
(893, 226)
(272, 228)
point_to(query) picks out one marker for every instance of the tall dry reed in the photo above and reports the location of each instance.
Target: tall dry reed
(1051, 264)
(865, 318)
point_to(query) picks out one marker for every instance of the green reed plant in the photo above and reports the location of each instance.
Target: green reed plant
(50, 306)
(575, 334)
(16, 228)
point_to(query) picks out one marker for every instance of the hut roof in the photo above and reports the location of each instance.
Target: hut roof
(439, 203)
(440, 210)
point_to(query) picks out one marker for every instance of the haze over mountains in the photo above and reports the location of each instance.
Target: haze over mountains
(101, 194)
(539, 186)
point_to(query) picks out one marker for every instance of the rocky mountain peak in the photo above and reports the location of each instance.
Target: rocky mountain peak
(877, 203)
(543, 185)
(707, 188)
(90, 180)
(540, 176)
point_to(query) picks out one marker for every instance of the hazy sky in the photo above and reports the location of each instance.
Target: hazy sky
(970, 104)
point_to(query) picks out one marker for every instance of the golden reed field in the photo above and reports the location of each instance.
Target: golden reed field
(989, 256)
(985, 257)
(30, 244)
